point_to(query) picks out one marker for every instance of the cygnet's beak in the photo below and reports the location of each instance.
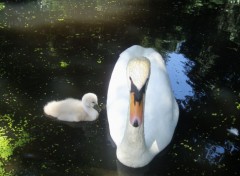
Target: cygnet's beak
(97, 108)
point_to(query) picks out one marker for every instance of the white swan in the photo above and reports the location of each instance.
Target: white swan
(73, 110)
(141, 108)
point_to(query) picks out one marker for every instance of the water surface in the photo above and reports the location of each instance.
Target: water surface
(53, 49)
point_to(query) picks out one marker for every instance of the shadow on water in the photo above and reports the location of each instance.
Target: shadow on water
(51, 50)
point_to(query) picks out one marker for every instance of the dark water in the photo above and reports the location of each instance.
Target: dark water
(54, 49)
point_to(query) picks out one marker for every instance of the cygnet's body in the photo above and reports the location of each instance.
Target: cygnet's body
(74, 110)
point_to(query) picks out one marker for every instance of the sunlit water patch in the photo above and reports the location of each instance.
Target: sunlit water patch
(44, 12)
(178, 66)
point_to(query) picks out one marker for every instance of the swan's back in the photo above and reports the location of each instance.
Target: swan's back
(161, 109)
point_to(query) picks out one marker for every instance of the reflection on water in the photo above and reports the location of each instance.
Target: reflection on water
(178, 66)
(51, 49)
(233, 131)
(214, 153)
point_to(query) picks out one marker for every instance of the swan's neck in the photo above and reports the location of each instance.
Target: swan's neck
(133, 151)
(134, 138)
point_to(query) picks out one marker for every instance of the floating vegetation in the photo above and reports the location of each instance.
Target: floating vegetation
(100, 60)
(186, 145)
(2, 6)
(238, 105)
(63, 64)
(12, 136)
(60, 19)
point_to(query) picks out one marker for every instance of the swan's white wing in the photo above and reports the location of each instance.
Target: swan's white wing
(118, 100)
(161, 110)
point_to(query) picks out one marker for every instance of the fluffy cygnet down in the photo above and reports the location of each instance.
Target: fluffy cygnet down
(74, 110)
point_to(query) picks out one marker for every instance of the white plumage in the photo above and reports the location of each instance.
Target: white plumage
(137, 144)
(74, 110)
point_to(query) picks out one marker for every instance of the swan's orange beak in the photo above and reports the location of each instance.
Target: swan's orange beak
(136, 111)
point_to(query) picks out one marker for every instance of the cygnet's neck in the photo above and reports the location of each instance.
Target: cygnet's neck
(91, 112)
(132, 151)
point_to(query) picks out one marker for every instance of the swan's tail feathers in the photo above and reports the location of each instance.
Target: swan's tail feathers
(52, 109)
